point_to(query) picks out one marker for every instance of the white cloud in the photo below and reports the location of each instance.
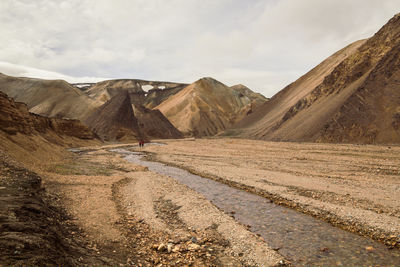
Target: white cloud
(265, 43)
(23, 71)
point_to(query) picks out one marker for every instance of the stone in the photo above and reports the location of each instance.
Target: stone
(169, 247)
(176, 249)
(193, 247)
(161, 247)
(369, 248)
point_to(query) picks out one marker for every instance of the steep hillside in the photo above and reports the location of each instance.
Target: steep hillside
(50, 98)
(354, 100)
(115, 120)
(25, 135)
(258, 124)
(152, 123)
(205, 107)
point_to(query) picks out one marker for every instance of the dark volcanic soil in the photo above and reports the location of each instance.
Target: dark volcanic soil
(33, 232)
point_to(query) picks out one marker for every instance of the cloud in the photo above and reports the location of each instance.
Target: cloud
(23, 71)
(263, 42)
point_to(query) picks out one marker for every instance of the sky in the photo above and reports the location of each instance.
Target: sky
(263, 44)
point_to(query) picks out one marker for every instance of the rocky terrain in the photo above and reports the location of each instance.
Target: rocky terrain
(353, 187)
(350, 97)
(208, 107)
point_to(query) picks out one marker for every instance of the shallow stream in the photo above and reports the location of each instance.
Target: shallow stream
(300, 238)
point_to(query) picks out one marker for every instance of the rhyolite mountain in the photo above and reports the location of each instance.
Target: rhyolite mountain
(27, 135)
(353, 96)
(147, 93)
(207, 107)
(143, 96)
(115, 120)
(50, 98)
(59, 99)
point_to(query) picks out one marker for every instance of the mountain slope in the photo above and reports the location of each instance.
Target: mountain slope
(154, 124)
(258, 124)
(205, 107)
(29, 136)
(50, 98)
(148, 93)
(115, 120)
(343, 104)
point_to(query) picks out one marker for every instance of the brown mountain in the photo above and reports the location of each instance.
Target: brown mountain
(50, 98)
(205, 107)
(148, 93)
(152, 123)
(115, 120)
(350, 97)
(26, 135)
(59, 99)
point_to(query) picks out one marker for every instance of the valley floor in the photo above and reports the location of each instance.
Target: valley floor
(118, 213)
(355, 187)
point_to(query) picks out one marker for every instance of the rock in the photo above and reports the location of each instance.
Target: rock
(176, 249)
(194, 239)
(193, 247)
(161, 247)
(169, 247)
(369, 248)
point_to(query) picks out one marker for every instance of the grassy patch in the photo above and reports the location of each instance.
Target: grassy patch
(84, 167)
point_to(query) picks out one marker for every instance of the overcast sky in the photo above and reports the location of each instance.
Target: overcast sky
(264, 44)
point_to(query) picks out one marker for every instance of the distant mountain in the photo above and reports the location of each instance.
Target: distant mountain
(50, 98)
(59, 99)
(207, 107)
(352, 96)
(147, 93)
(115, 120)
(152, 123)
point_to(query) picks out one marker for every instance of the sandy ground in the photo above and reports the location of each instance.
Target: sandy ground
(356, 187)
(118, 213)
(132, 216)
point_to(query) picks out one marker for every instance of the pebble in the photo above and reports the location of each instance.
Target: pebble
(193, 247)
(169, 247)
(176, 249)
(369, 248)
(161, 247)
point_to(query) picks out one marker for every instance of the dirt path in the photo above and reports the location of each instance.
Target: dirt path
(354, 187)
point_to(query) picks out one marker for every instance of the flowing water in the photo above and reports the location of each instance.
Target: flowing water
(300, 238)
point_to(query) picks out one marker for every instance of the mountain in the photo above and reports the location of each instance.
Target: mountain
(115, 120)
(152, 123)
(59, 99)
(148, 93)
(27, 135)
(50, 98)
(352, 96)
(206, 107)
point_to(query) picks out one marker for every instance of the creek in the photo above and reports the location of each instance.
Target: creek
(300, 238)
